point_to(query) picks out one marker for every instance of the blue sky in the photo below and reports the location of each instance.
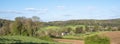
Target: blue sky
(55, 10)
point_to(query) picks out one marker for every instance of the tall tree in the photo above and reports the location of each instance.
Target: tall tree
(36, 24)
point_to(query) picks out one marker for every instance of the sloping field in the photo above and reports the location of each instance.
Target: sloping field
(70, 41)
(114, 36)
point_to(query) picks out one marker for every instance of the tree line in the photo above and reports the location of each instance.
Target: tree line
(91, 22)
(21, 26)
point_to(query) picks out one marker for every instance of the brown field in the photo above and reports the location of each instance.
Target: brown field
(114, 37)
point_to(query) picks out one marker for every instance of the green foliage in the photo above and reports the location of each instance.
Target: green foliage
(80, 29)
(68, 29)
(25, 26)
(4, 27)
(47, 38)
(81, 36)
(97, 40)
(52, 31)
(23, 39)
(72, 37)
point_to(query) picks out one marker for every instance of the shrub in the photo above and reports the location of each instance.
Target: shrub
(47, 38)
(97, 40)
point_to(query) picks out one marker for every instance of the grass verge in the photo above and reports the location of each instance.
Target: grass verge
(24, 39)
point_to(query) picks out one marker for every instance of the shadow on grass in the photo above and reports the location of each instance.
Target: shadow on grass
(3, 41)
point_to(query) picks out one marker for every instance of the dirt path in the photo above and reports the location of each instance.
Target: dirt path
(70, 41)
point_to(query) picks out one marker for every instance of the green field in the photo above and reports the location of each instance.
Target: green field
(24, 39)
(81, 36)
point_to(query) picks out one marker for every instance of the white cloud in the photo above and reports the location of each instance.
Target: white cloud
(10, 11)
(37, 11)
(61, 7)
(31, 9)
(42, 11)
(67, 15)
(25, 11)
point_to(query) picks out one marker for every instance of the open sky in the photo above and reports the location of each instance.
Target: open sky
(54, 10)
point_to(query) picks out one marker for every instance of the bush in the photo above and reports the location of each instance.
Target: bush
(97, 40)
(47, 38)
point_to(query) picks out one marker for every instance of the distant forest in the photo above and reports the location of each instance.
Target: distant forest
(91, 22)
